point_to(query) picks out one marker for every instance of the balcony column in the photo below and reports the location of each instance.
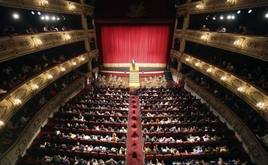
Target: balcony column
(87, 40)
(186, 22)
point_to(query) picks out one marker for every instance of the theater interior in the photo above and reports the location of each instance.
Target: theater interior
(133, 82)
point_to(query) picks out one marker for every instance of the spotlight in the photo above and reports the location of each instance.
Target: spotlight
(238, 12)
(233, 17)
(214, 18)
(58, 18)
(53, 18)
(42, 17)
(16, 16)
(221, 17)
(39, 13)
(47, 18)
(33, 13)
(266, 15)
(229, 17)
(250, 11)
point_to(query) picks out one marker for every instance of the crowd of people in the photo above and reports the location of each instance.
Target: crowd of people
(19, 121)
(237, 21)
(250, 117)
(16, 71)
(153, 82)
(90, 125)
(178, 126)
(252, 70)
(23, 21)
(112, 81)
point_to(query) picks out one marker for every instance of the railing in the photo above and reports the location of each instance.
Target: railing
(252, 145)
(16, 46)
(35, 124)
(255, 47)
(14, 100)
(219, 5)
(58, 6)
(256, 98)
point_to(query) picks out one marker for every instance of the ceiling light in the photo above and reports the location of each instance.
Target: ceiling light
(58, 18)
(249, 11)
(53, 18)
(33, 13)
(214, 18)
(42, 17)
(39, 13)
(221, 17)
(16, 16)
(266, 15)
(238, 12)
(47, 18)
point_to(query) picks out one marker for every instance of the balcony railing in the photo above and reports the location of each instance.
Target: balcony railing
(209, 6)
(16, 46)
(35, 124)
(256, 98)
(252, 145)
(14, 100)
(58, 6)
(255, 47)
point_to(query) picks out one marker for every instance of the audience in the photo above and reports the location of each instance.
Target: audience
(153, 82)
(19, 121)
(112, 81)
(252, 70)
(18, 70)
(250, 117)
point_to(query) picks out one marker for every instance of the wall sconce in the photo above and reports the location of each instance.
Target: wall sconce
(261, 105)
(44, 2)
(205, 37)
(231, 2)
(49, 76)
(197, 64)
(241, 89)
(223, 78)
(209, 70)
(67, 37)
(82, 58)
(200, 6)
(74, 63)
(34, 86)
(239, 42)
(62, 69)
(2, 124)
(17, 101)
(71, 6)
(37, 42)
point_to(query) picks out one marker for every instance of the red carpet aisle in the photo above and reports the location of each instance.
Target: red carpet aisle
(134, 135)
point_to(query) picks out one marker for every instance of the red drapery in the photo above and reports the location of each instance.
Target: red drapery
(145, 44)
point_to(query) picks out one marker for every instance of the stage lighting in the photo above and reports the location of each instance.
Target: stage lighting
(16, 16)
(214, 18)
(33, 13)
(53, 18)
(266, 15)
(233, 17)
(58, 18)
(249, 11)
(39, 13)
(42, 17)
(47, 18)
(221, 17)
(238, 12)
(229, 17)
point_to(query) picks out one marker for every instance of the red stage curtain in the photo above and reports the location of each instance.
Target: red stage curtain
(145, 44)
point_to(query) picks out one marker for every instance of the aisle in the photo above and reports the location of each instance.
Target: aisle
(134, 135)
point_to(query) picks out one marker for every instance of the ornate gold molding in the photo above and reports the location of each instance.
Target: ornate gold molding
(19, 96)
(28, 134)
(58, 6)
(257, 153)
(118, 65)
(209, 6)
(16, 46)
(252, 46)
(255, 97)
